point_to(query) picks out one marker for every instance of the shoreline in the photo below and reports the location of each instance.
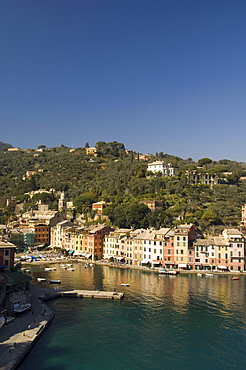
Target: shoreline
(142, 268)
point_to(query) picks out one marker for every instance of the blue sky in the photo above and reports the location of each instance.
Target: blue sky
(157, 75)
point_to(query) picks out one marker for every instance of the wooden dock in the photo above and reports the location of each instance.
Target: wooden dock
(84, 294)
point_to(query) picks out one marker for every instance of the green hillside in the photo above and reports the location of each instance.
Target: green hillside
(122, 180)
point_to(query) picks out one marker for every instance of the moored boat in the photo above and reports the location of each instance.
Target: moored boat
(55, 281)
(125, 284)
(235, 278)
(168, 272)
(41, 279)
(22, 308)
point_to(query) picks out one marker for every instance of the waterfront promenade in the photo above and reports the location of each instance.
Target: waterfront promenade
(18, 337)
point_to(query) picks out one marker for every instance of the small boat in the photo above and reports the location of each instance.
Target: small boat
(235, 278)
(41, 279)
(125, 284)
(50, 269)
(86, 265)
(55, 281)
(70, 269)
(209, 274)
(22, 308)
(9, 319)
(169, 272)
(199, 274)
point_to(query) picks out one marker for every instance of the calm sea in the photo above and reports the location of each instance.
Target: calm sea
(171, 322)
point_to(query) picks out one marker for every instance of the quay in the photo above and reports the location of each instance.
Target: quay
(83, 294)
(18, 338)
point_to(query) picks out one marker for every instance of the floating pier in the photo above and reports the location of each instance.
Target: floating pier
(84, 294)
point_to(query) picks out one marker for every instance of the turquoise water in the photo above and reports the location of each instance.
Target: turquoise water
(169, 322)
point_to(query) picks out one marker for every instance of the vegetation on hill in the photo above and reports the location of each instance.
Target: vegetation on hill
(122, 181)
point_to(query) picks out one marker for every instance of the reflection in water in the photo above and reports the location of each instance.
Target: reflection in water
(181, 321)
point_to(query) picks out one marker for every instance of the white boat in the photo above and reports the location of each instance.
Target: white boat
(22, 308)
(70, 269)
(125, 284)
(209, 274)
(169, 272)
(199, 274)
(41, 279)
(50, 269)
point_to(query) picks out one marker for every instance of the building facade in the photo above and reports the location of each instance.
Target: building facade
(165, 169)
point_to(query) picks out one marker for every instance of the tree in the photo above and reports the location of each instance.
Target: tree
(41, 146)
(203, 161)
(83, 202)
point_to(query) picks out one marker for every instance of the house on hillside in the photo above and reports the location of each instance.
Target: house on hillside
(165, 169)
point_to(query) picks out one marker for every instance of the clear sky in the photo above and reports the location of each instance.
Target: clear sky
(157, 75)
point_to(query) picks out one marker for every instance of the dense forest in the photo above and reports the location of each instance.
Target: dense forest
(121, 179)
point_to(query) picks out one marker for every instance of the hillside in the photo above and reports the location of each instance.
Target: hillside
(121, 179)
(4, 146)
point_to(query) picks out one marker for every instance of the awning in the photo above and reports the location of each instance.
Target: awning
(78, 253)
(107, 256)
(70, 252)
(88, 255)
(145, 261)
(120, 258)
(222, 267)
(182, 265)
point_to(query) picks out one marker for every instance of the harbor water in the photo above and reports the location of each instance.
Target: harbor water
(172, 322)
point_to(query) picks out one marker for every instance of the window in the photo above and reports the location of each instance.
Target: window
(182, 251)
(169, 251)
(6, 252)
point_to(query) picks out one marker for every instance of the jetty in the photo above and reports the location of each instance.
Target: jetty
(83, 294)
